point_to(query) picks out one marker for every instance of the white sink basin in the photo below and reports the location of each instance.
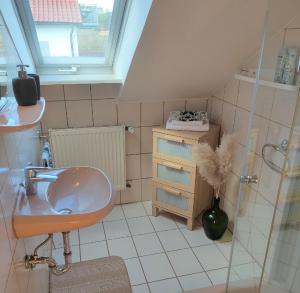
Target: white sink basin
(80, 197)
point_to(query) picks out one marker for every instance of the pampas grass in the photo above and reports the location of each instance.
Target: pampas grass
(214, 166)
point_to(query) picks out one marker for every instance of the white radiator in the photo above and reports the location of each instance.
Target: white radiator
(100, 147)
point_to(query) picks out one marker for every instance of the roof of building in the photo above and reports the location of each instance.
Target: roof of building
(55, 11)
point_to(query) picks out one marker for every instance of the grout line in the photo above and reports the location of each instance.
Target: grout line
(165, 252)
(135, 247)
(66, 111)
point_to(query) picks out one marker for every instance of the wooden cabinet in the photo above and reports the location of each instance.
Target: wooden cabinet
(177, 186)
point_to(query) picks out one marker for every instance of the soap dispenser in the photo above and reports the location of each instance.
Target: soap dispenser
(25, 88)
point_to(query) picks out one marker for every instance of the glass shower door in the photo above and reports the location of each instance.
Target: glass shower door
(266, 248)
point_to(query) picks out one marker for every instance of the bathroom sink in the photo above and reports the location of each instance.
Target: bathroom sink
(80, 197)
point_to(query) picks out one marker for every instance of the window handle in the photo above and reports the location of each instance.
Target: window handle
(71, 69)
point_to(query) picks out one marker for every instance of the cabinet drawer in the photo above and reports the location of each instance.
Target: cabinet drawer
(174, 174)
(172, 199)
(173, 148)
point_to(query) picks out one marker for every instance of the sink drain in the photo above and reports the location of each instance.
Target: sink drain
(65, 211)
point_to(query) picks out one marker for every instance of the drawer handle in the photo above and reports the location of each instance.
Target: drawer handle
(177, 140)
(171, 190)
(173, 166)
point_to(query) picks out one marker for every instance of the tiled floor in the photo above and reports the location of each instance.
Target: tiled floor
(161, 255)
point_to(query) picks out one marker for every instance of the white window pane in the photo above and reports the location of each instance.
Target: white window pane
(72, 28)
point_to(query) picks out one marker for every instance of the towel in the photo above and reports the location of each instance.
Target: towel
(201, 127)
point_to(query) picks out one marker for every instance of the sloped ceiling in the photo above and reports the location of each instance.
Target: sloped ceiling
(189, 47)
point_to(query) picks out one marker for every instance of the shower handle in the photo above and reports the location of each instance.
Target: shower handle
(249, 179)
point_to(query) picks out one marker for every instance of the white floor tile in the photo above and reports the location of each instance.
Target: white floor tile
(162, 223)
(247, 271)
(240, 254)
(93, 250)
(156, 267)
(225, 248)
(227, 237)
(220, 276)
(140, 289)
(210, 257)
(92, 234)
(116, 229)
(196, 237)
(194, 281)
(172, 240)
(58, 240)
(58, 255)
(164, 286)
(135, 271)
(122, 247)
(115, 214)
(141, 225)
(147, 244)
(148, 207)
(133, 210)
(184, 262)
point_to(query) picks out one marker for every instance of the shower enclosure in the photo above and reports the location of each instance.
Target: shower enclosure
(267, 220)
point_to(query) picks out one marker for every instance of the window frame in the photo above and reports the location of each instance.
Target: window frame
(73, 65)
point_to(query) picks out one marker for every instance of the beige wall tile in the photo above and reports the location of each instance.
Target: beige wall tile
(241, 125)
(12, 285)
(238, 159)
(196, 105)
(133, 167)
(117, 196)
(105, 91)
(264, 101)
(146, 165)
(260, 126)
(287, 101)
(146, 189)
(52, 92)
(133, 142)
(219, 93)
(77, 91)
(133, 193)
(232, 188)
(152, 114)
(173, 106)
(228, 117)
(55, 116)
(129, 113)
(216, 111)
(104, 113)
(231, 91)
(146, 140)
(245, 95)
(79, 113)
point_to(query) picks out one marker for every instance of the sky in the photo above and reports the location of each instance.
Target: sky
(106, 4)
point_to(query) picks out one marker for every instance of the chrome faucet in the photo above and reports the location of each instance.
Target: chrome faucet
(32, 176)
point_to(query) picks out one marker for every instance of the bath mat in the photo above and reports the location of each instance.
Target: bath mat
(103, 275)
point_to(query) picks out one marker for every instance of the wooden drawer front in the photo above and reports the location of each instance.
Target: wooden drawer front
(172, 199)
(174, 174)
(173, 148)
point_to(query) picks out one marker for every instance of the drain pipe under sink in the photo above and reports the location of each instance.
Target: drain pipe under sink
(32, 260)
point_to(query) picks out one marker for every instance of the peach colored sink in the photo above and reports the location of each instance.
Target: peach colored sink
(80, 197)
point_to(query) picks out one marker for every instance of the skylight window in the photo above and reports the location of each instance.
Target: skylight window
(72, 36)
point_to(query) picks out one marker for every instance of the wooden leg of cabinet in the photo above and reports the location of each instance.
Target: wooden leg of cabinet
(155, 211)
(190, 224)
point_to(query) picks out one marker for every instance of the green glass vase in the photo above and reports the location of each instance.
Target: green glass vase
(215, 221)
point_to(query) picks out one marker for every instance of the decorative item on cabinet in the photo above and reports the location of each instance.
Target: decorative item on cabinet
(214, 167)
(177, 186)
